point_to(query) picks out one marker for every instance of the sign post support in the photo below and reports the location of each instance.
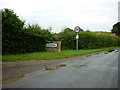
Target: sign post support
(77, 37)
(77, 30)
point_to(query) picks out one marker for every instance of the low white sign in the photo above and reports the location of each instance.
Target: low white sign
(77, 36)
(51, 44)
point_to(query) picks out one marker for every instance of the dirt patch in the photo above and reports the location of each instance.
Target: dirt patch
(54, 67)
(20, 68)
(11, 79)
(110, 50)
(88, 55)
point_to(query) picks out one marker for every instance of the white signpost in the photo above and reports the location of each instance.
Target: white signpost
(77, 30)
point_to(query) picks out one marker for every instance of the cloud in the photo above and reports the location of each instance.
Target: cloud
(92, 14)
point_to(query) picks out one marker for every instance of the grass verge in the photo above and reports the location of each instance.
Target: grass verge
(51, 55)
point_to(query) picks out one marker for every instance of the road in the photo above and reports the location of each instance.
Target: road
(96, 71)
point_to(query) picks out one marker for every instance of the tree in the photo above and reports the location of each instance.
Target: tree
(67, 29)
(19, 39)
(12, 27)
(116, 28)
(10, 21)
(36, 30)
(87, 30)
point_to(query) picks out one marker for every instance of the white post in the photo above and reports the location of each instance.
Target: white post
(77, 37)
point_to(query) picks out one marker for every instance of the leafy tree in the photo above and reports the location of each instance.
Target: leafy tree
(19, 39)
(87, 30)
(11, 28)
(67, 29)
(36, 30)
(10, 21)
(116, 28)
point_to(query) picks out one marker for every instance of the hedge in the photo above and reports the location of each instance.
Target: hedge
(87, 40)
(22, 43)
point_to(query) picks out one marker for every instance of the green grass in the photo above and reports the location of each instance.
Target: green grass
(51, 55)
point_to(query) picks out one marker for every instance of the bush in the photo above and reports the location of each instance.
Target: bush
(23, 43)
(67, 36)
(87, 40)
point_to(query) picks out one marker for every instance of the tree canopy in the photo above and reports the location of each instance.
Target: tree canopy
(116, 28)
(10, 21)
(19, 39)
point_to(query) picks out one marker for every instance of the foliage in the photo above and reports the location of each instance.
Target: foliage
(67, 36)
(10, 21)
(87, 40)
(116, 28)
(11, 26)
(17, 39)
(36, 30)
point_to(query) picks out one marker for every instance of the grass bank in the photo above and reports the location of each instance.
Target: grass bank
(51, 55)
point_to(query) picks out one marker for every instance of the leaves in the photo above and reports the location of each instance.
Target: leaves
(116, 28)
(87, 40)
(19, 39)
(16, 38)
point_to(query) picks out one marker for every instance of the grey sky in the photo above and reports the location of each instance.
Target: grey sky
(119, 11)
(95, 15)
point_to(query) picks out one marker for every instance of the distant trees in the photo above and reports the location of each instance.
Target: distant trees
(116, 28)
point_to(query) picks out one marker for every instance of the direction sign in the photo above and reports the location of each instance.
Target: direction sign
(77, 29)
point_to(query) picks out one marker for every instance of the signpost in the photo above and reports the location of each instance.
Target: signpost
(53, 46)
(77, 30)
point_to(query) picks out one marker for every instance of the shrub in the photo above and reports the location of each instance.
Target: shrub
(87, 40)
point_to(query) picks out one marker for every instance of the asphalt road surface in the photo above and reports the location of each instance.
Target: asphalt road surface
(96, 71)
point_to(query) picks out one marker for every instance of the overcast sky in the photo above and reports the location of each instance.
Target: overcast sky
(95, 15)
